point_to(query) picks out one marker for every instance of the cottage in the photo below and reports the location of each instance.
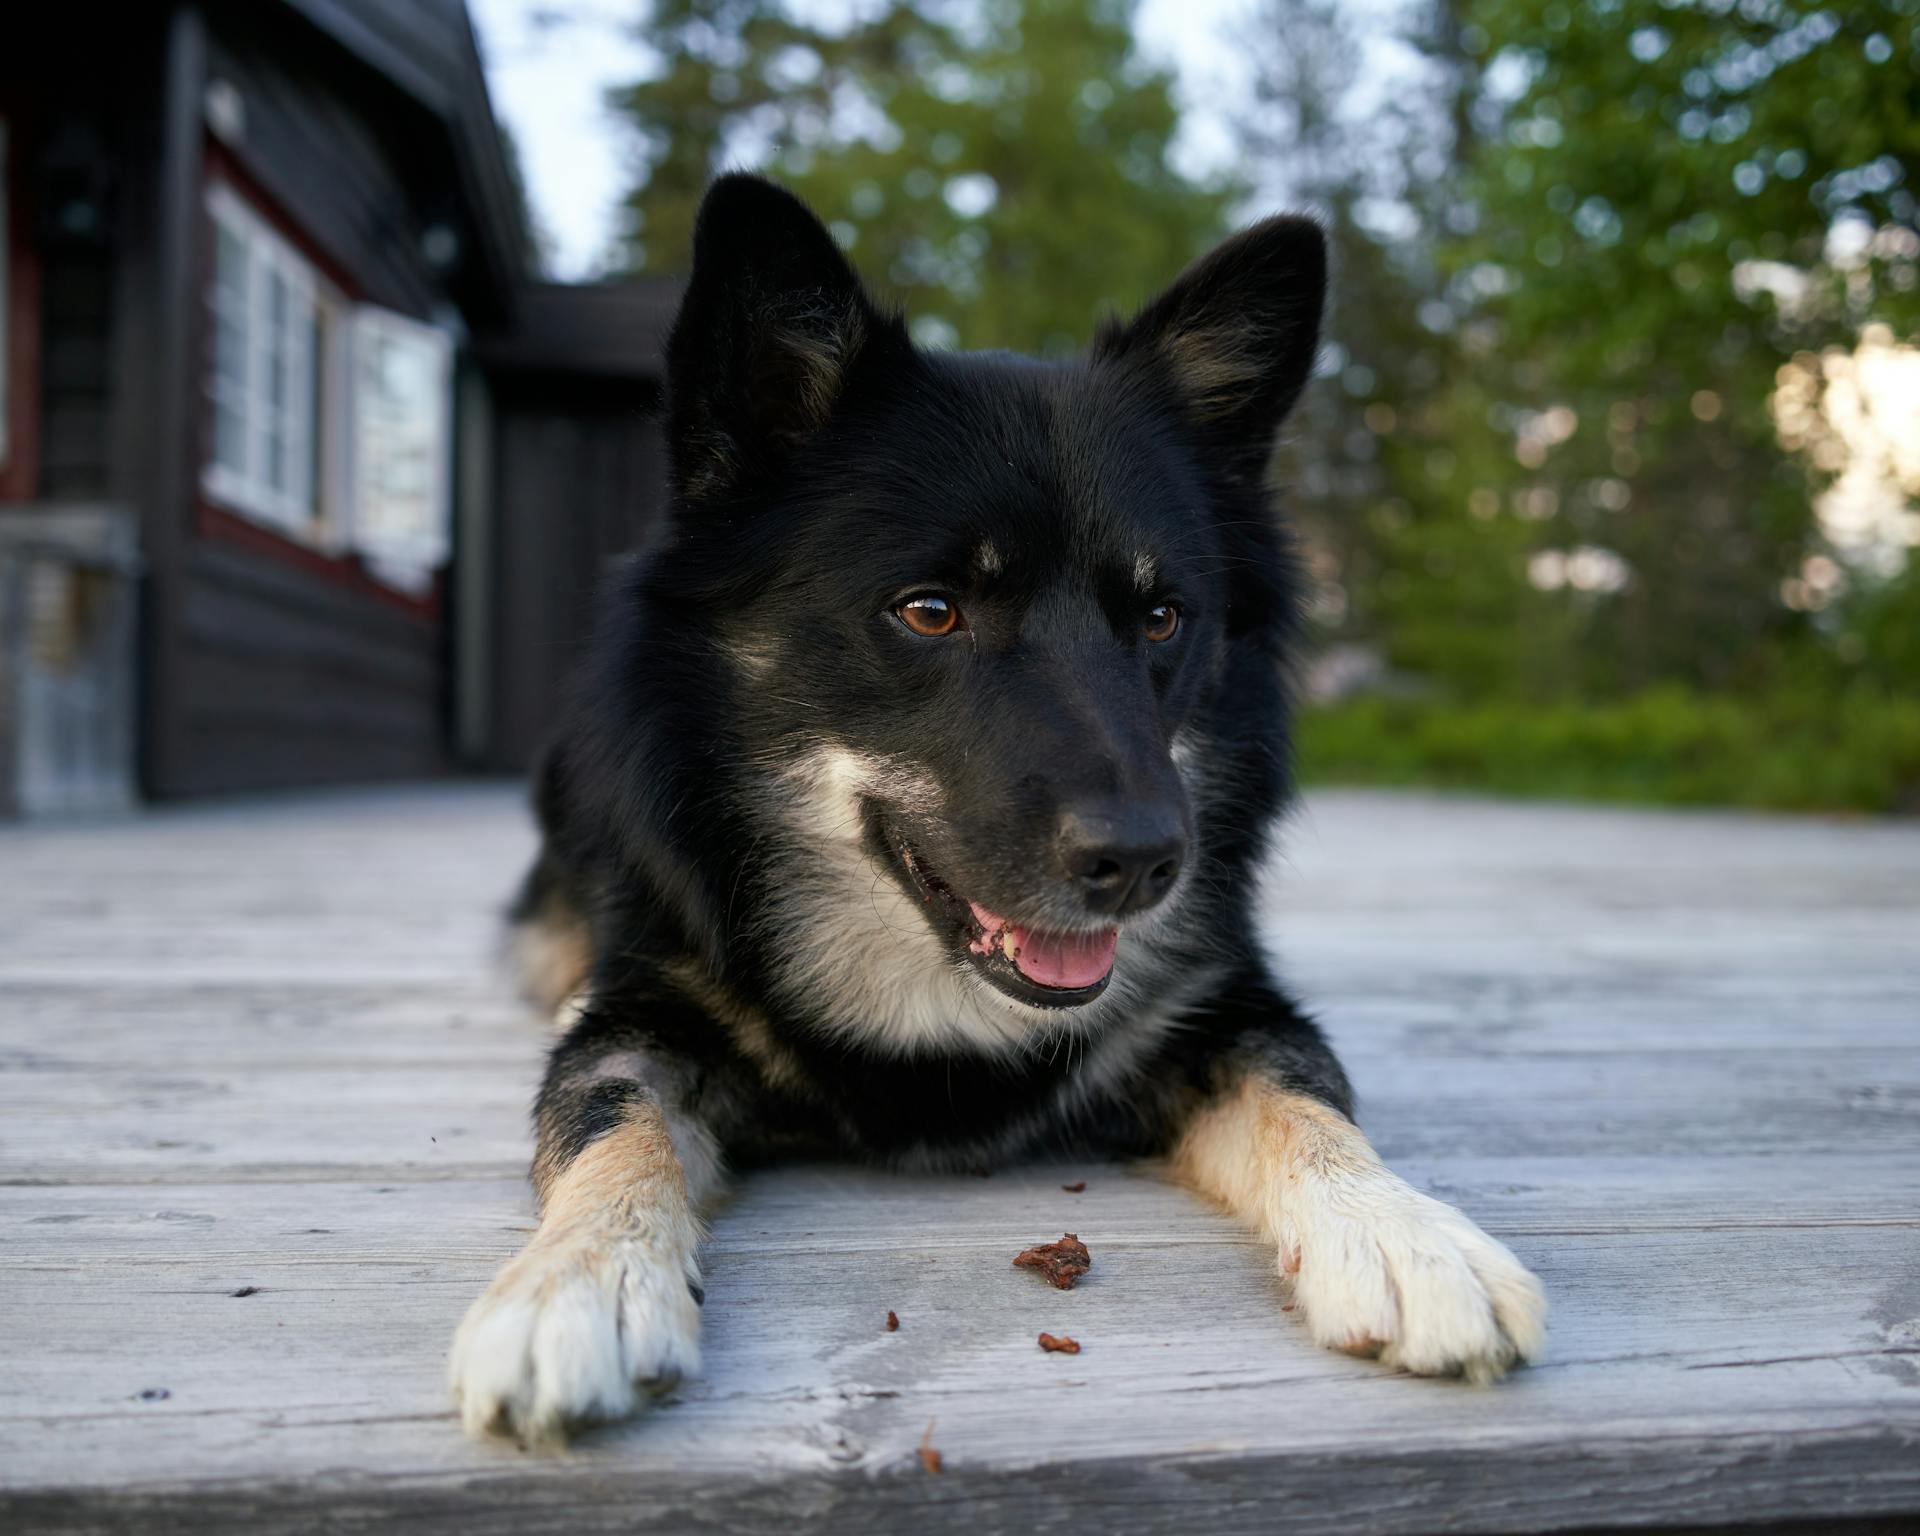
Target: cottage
(304, 475)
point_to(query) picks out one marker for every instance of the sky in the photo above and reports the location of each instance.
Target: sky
(549, 67)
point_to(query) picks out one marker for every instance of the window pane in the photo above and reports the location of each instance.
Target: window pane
(230, 321)
(230, 271)
(316, 406)
(400, 411)
(229, 438)
(230, 352)
(276, 341)
(273, 368)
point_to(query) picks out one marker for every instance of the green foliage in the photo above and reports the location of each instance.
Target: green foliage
(1856, 750)
(1654, 205)
(1622, 221)
(1002, 167)
(1615, 228)
(1578, 247)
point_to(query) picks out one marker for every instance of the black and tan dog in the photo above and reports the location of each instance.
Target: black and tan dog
(911, 807)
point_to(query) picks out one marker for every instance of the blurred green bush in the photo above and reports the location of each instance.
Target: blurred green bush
(1854, 750)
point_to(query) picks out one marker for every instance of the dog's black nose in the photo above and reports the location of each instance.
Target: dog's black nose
(1122, 858)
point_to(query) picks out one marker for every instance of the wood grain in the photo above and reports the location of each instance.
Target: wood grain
(1670, 1059)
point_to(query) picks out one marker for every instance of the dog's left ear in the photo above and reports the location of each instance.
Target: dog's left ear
(1236, 335)
(772, 327)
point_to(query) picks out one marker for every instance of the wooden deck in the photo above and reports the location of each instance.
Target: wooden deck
(263, 1131)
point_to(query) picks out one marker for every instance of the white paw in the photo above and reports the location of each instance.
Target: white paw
(573, 1330)
(1380, 1268)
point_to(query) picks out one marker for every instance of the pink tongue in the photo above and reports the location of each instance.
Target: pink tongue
(1066, 960)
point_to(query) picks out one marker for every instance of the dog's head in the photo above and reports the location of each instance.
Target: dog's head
(998, 636)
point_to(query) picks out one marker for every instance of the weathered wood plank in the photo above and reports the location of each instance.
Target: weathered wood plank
(342, 1369)
(1669, 1058)
(393, 1215)
(189, 1122)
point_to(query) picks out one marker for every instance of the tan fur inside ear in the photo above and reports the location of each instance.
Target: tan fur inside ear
(808, 357)
(1218, 366)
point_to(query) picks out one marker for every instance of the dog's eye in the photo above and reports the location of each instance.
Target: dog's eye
(1161, 622)
(930, 614)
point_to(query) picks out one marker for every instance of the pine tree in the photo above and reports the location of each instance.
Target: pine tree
(1001, 166)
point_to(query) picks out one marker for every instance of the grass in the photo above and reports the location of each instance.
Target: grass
(1856, 750)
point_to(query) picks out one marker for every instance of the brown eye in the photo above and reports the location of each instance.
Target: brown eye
(930, 614)
(1161, 622)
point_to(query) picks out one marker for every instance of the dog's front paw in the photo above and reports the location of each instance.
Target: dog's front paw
(1381, 1269)
(573, 1331)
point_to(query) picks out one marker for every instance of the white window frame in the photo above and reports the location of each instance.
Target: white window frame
(295, 506)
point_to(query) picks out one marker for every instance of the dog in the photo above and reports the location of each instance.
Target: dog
(911, 805)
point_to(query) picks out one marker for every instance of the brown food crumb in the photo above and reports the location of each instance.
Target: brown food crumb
(929, 1457)
(1062, 1263)
(1059, 1344)
(1074, 1189)
(893, 1322)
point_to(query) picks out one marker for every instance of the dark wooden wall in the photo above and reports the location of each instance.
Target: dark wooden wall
(76, 392)
(333, 162)
(578, 485)
(293, 680)
(68, 162)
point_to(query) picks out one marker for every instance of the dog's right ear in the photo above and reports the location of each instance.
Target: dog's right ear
(772, 326)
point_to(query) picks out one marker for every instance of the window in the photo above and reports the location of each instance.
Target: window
(402, 442)
(330, 421)
(268, 362)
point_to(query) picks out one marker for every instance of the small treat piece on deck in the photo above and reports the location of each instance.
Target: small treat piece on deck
(929, 1457)
(1059, 1344)
(1074, 1189)
(893, 1322)
(1062, 1263)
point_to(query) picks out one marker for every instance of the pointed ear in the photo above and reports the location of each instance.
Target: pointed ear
(1236, 335)
(772, 325)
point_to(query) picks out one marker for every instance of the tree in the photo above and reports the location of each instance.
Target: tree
(1376, 467)
(1001, 165)
(1591, 260)
(1662, 193)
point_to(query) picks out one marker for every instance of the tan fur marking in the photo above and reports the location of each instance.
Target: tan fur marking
(632, 1165)
(1378, 1267)
(822, 356)
(748, 1027)
(752, 656)
(1217, 365)
(553, 957)
(599, 1302)
(1244, 1149)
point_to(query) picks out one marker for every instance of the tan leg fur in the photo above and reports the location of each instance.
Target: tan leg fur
(600, 1304)
(1377, 1267)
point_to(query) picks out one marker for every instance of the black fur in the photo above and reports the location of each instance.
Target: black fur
(824, 469)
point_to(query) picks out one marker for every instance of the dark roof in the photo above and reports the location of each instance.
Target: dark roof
(427, 49)
(614, 330)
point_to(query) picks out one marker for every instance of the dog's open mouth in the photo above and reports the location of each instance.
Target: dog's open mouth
(1032, 965)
